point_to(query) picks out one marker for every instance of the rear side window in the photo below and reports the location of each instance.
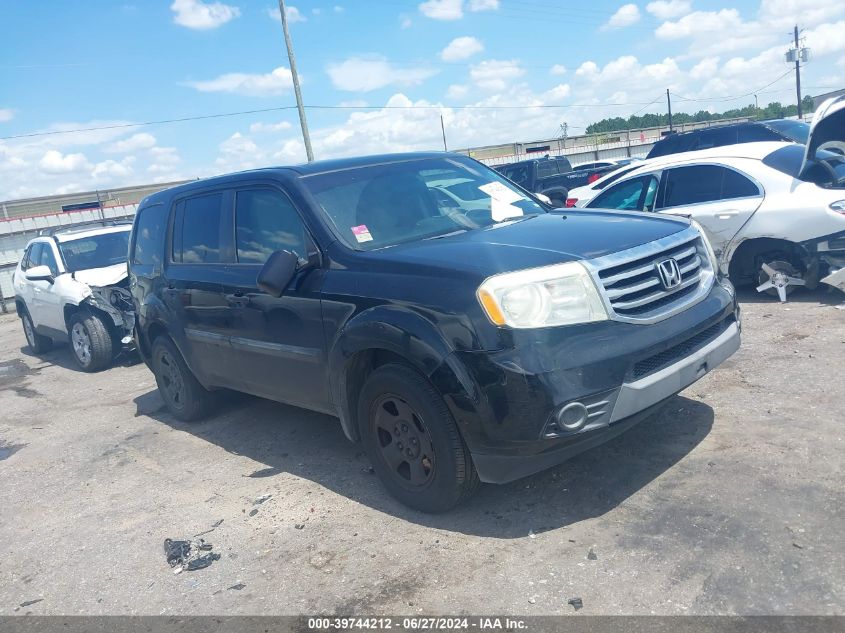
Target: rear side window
(196, 230)
(698, 184)
(149, 232)
(563, 165)
(266, 221)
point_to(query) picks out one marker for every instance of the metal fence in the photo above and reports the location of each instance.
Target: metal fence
(15, 234)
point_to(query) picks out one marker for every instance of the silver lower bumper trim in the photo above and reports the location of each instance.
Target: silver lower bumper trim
(641, 394)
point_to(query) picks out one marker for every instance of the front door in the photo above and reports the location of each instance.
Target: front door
(278, 343)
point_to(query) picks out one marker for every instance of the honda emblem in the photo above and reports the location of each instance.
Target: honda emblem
(669, 273)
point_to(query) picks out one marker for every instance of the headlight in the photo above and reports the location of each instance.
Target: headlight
(714, 262)
(561, 294)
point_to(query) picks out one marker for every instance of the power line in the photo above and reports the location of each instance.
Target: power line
(312, 107)
(734, 98)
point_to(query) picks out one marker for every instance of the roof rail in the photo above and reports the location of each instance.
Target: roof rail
(53, 230)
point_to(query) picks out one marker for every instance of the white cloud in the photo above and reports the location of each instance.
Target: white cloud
(406, 22)
(461, 48)
(558, 69)
(54, 162)
(293, 14)
(195, 14)
(483, 5)
(493, 74)
(626, 15)
(457, 91)
(359, 74)
(668, 9)
(109, 169)
(239, 152)
(269, 128)
(782, 14)
(587, 69)
(338, 8)
(701, 22)
(442, 9)
(274, 83)
(136, 142)
(558, 93)
(705, 69)
(6, 114)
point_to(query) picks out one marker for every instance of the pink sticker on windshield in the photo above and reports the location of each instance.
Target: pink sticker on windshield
(362, 233)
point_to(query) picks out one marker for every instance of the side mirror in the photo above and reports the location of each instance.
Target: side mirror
(278, 271)
(40, 273)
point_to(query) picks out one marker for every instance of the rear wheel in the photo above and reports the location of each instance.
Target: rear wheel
(413, 441)
(184, 396)
(38, 343)
(778, 278)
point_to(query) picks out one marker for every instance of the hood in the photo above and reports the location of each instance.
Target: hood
(107, 276)
(827, 131)
(537, 241)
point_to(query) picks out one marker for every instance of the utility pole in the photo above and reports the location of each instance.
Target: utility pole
(798, 54)
(669, 105)
(798, 75)
(306, 138)
(443, 131)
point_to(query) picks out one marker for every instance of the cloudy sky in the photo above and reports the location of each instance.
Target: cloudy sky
(377, 75)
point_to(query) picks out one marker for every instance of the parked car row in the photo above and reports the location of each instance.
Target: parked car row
(773, 211)
(461, 329)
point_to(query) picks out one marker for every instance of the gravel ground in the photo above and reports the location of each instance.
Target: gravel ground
(729, 501)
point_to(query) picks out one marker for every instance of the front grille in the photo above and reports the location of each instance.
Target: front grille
(634, 289)
(673, 354)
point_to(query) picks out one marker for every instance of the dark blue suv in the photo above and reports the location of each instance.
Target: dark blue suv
(459, 339)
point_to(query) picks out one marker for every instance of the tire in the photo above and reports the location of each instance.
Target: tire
(90, 342)
(185, 397)
(38, 343)
(431, 469)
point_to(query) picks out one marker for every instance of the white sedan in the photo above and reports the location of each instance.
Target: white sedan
(774, 212)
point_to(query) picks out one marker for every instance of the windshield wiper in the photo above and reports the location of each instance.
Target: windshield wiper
(451, 233)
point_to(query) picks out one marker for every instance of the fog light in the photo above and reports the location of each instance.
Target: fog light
(573, 416)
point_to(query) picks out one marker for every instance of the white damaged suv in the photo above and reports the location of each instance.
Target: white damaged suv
(71, 285)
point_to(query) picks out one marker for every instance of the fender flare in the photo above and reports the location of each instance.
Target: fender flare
(393, 329)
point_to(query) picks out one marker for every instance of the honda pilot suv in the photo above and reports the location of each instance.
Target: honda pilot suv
(456, 344)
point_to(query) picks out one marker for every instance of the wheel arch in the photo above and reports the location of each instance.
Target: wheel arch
(743, 260)
(377, 337)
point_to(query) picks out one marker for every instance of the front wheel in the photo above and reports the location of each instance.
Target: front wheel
(413, 441)
(90, 341)
(184, 396)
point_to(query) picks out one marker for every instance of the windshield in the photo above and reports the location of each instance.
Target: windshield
(95, 251)
(797, 131)
(384, 205)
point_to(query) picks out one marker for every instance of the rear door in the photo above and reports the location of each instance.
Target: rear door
(278, 342)
(720, 198)
(47, 299)
(194, 293)
(24, 288)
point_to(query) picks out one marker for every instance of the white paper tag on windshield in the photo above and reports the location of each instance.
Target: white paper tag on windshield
(500, 201)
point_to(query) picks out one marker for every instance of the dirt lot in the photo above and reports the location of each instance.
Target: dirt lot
(729, 501)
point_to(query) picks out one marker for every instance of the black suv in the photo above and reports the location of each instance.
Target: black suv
(483, 342)
(731, 134)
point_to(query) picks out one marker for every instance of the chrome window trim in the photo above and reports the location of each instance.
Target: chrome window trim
(761, 191)
(707, 279)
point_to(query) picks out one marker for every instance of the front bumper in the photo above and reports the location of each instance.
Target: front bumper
(617, 373)
(632, 402)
